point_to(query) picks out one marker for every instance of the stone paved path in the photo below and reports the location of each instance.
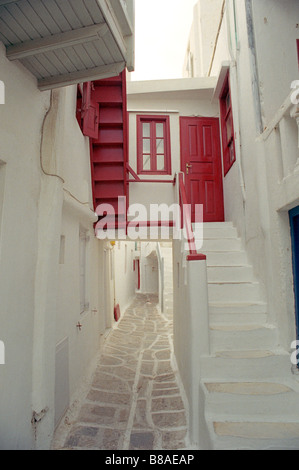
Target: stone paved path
(135, 401)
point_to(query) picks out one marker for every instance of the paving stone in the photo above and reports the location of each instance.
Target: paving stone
(109, 397)
(168, 392)
(142, 441)
(82, 437)
(174, 439)
(97, 414)
(141, 415)
(164, 367)
(163, 355)
(111, 361)
(143, 386)
(167, 403)
(147, 368)
(166, 385)
(107, 382)
(165, 378)
(169, 420)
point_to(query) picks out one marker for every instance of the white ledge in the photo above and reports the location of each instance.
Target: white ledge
(171, 85)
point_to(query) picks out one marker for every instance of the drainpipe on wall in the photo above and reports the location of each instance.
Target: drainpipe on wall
(254, 67)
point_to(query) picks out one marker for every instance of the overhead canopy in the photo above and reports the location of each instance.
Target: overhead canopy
(63, 42)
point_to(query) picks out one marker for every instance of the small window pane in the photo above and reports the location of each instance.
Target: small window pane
(160, 146)
(146, 129)
(146, 162)
(231, 153)
(160, 129)
(227, 101)
(146, 145)
(229, 128)
(160, 163)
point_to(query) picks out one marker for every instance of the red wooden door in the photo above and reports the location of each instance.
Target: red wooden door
(201, 163)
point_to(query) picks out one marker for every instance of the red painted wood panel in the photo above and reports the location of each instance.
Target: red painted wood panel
(201, 163)
(90, 112)
(109, 149)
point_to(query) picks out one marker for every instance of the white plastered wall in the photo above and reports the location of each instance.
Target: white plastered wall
(45, 195)
(125, 276)
(20, 120)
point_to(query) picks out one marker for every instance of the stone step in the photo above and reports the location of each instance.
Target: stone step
(234, 291)
(225, 258)
(225, 244)
(236, 435)
(246, 365)
(241, 337)
(215, 225)
(218, 232)
(238, 318)
(251, 401)
(243, 307)
(230, 274)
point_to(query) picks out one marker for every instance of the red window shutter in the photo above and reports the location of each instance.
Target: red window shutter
(90, 112)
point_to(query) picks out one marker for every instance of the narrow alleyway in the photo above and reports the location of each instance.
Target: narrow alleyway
(135, 401)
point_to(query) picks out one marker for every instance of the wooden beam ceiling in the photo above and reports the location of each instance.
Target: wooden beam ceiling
(57, 41)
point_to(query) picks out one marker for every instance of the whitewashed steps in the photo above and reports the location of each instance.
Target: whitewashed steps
(251, 401)
(215, 244)
(246, 366)
(234, 291)
(230, 274)
(255, 436)
(225, 258)
(253, 415)
(238, 307)
(242, 337)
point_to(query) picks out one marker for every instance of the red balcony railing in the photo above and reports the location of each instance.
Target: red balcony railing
(187, 222)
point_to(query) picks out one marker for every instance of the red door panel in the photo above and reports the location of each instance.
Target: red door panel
(201, 163)
(90, 112)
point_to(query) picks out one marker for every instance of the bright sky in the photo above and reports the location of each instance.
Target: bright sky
(162, 32)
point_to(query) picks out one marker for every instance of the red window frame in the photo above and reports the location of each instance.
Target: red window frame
(153, 144)
(227, 127)
(298, 51)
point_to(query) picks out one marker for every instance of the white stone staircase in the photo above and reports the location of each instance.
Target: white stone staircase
(250, 395)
